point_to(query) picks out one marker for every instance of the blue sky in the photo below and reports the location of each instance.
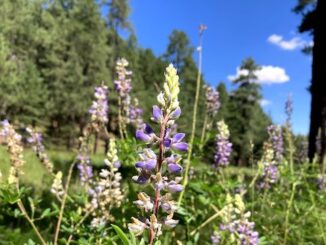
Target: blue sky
(265, 30)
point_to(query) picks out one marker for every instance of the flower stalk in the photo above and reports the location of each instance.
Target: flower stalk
(202, 28)
(153, 168)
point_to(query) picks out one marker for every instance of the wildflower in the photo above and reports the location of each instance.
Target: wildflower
(36, 140)
(97, 222)
(85, 168)
(235, 224)
(215, 238)
(176, 143)
(269, 168)
(123, 87)
(57, 188)
(146, 134)
(144, 202)
(137, 226)
(276, 139)
(99, 108)
(106, 192)
(289, 110)
(13, 140)
(223, 146)
(135, 114)
(212, 100)
(150, 167)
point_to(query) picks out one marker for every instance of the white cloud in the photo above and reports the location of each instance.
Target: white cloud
(291, 44)
(266, 75)
(264, 102)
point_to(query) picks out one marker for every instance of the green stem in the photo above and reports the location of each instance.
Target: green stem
(210, 219)
(194, 121)
(288, 213)
(203, 133)
(291, 149)
(78, 224)
(63, 203)
(31, 221)
(120, 118)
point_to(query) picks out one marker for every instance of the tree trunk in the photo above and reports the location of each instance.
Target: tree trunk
(318, 91)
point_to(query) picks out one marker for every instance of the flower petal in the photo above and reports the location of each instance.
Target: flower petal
(140, 164)
(167, 142)
(174, 168)
(150, 164)
(157, 113)
(143, 136)
(182, 146)
(178, 137)
(176, 113)
(175, 188)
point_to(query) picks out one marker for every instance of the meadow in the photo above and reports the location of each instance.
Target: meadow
(103, 141)
(61, 197)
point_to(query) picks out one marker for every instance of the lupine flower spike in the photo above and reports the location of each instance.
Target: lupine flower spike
(212, 100)
(223, 146)
(276, 140)
(123, 87)
(236, 227)
(268, 166)
(212, 107)
(136, 114)
(13, 140)
(36, 140)
(99, 108)
(106, 192)
(153, 168)
(289, 110)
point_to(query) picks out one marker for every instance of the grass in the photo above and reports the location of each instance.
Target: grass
(34, 173)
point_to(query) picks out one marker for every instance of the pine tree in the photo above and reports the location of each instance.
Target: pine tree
(246, 119)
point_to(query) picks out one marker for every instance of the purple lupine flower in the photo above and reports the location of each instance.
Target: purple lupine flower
(13, 141)
(155, 167)
(123, 83)
(289, 110)
(123, 87)
(269, 177)
(148, 160)
(173, 165)
(99, 108)
(246, 233)
(146, 134)
(175, 142)
(85, 168)
(173, 186)
(36, 140)
(276, 139)
(216, 238)
(212, 100)
(223, 146)
(235, 222)
(135, 114)
(105, 191)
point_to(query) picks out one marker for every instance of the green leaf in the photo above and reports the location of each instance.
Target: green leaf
(46, 213)
(30, 242)
(133, 238)
(157, 243)
(123, 237)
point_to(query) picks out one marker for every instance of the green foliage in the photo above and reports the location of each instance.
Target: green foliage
(246, 119)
